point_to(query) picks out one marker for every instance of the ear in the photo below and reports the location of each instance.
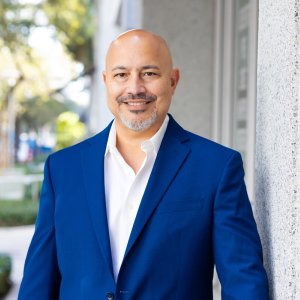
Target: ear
(104, 76)
(175, 76)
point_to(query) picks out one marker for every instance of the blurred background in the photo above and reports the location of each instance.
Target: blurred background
(52, 53)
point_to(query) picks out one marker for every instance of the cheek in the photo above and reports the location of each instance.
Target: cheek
(160, 88)
(164, 95)
(163, 92)
(114, 91)
(111, 96)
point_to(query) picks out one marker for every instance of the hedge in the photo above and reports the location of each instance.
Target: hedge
(5, 269)
(17, 213)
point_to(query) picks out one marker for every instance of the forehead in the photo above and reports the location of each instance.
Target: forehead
(135, 53)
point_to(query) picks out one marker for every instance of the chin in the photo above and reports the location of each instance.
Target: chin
(138, 122)
(138, 112)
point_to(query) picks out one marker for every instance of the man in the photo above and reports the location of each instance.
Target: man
(144, 209)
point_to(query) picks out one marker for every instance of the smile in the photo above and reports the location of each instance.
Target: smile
(136, 103)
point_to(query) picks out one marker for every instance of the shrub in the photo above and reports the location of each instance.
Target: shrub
(17, 213)
(69, 130)
(5, 269)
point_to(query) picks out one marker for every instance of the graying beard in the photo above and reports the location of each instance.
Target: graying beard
(138, 112)
(138, 125)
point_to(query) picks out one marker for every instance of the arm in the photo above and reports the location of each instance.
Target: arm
(41, 279)
(236, 244)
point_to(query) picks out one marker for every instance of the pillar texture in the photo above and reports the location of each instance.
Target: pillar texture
(277, 199)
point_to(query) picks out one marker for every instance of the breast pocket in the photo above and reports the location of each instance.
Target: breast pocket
(177, 206)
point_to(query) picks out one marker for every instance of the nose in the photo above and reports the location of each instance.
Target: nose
(136, 85)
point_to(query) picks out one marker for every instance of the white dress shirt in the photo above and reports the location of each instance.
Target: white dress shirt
(124, 190)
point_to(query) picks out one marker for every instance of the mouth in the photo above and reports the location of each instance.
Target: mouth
(137, 104)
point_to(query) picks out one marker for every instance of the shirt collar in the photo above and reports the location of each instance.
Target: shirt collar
(111, 142)
(159, 135)
(155, 140)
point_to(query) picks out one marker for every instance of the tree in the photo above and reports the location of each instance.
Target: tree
(74, 23)
(23, 72)
(38, 113)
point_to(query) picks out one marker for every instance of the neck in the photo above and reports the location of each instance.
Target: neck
(128, 143)
(132, 137)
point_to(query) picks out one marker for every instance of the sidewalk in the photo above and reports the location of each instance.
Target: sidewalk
(15, 242)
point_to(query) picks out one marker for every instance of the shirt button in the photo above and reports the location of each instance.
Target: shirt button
(110, 296)
(130, 206)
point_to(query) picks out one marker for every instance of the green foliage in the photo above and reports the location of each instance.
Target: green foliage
(5, 269)
(69, 130)
(15, 24)
(24, 167)
(17, 213)
(40, 159)
(71, 21)
(37, 113)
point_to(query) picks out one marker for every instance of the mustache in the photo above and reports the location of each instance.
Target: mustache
(135, 97)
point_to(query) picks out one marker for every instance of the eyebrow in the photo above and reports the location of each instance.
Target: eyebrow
(150, 67)
(119, 68)
(142, 68)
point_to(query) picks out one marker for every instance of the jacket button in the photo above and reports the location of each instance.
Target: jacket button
(110, 296)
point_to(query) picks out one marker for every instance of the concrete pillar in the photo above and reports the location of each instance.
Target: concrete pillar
(277, 207)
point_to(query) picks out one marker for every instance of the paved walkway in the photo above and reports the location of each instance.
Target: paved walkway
(15, 242)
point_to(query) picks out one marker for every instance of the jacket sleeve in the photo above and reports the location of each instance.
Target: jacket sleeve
(41, 279)
(236, 244)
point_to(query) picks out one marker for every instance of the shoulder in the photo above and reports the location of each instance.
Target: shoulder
(211, 156)
(66, 156)
(211, 160)
(200, 143)
(202, 150)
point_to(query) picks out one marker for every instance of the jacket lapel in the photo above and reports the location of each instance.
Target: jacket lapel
(92, 159)
(170, 157)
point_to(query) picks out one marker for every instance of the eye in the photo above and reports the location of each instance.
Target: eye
(121, 75)
(149, 74)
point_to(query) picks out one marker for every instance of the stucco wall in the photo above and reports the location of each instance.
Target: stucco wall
(277, 145)
(187, 26)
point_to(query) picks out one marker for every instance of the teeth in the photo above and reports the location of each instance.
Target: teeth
(136, 103)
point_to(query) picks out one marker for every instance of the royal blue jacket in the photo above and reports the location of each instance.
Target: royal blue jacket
(194, 214)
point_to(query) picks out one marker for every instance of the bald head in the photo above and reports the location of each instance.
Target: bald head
(138, 39)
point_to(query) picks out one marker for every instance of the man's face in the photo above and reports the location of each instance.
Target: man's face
(140, 81)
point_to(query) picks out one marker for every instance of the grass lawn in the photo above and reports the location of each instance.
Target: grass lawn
(17, 213)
